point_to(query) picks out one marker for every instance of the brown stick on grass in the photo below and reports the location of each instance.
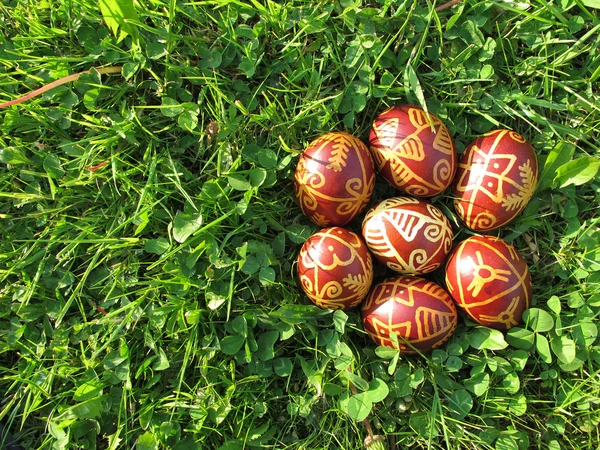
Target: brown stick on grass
(447, 5)
(60, 81)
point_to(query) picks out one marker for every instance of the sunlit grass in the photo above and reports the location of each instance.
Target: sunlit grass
(150, 231)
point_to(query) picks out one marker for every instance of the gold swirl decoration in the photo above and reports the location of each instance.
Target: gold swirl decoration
(334, 179)
(335, 268)
(409, 235)
(420, 312)
(496, 178)
(406, 143)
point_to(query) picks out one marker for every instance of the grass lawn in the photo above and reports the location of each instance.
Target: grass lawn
(148, 291)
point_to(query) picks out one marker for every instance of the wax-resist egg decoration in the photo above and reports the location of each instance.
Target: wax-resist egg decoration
(419, 311)
(496, 178)
(334, 179)
(409, 235)
(413, 152)
(489, 280)
(335, 268)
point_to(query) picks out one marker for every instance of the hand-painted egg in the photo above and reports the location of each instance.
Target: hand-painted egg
(409, 235)
(419, 311)
(334, 179)
(335, 268)
(496, 177)
(413, 152)
(490, 281)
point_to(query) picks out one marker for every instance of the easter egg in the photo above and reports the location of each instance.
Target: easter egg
(335, 268)
(334, 179)
(489, 280)
(419, 311)
(497, 175)
(408, 235)
(413, 152)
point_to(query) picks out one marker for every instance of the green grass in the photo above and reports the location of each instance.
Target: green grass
(149, 229)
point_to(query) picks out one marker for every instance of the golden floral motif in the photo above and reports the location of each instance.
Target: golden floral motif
(342, 145)
(529, 181)
(322, 197)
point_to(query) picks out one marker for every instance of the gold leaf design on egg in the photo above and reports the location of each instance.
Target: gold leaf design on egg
(519, 200)
(341, 147)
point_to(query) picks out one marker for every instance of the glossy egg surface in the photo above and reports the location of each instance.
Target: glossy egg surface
(411, 155)
(489, 280)
(420, 312)
(335, 268)
(496, 178)
(334, 179)
(409, 235)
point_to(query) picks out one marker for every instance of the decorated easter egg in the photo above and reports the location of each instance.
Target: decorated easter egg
(489, 280)
(335, 268)
(409, 235)
(496, 177)
(413, 152)
(334, 179)
(420, 312)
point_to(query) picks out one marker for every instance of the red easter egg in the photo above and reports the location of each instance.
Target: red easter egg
(334, 179)
(496, 178)
(335, 268)
(419, 311)
(411, 155)
(408, 235)
(490, 281)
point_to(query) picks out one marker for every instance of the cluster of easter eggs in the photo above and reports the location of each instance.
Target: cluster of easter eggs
(413, 150)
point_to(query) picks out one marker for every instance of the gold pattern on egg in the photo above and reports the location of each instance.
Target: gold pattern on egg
(396, 150)
(430, 323)
(494, 168)
(329, 294)
(479, 280)
(507, 318)
(309, 183)
(410, 225)
(483, 274)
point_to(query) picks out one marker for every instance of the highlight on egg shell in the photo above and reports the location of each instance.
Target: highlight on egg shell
(334, 179)
(335, 268)
(490, 281)
(413, 152)
(496, 178)
(419, 311)
(408, 235)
